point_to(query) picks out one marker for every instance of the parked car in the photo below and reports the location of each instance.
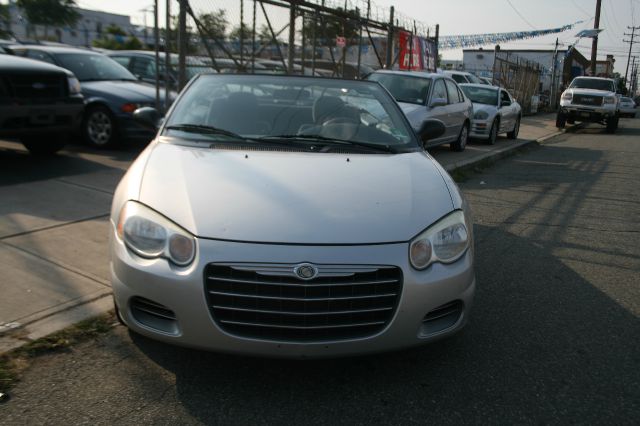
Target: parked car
(142, 64)
(495, 111)
(627, 107)
(258, 226)
(329, 68)
(110, 91)
(590, 100)
(40, 103)
(427, 95)
(461, 77)
(232, 66)
(277, 67)
(485, 80)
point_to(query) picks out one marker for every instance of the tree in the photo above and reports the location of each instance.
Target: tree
(328, 28)
(115, 38)
(4, 21)
(50, 12)
(238, 30)
(215, 23)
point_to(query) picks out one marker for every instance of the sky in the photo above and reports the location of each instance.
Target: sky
(457, 17)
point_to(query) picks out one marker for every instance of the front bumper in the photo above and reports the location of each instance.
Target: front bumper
(587, 114)
(183, 292)
(480, 129)
(25, 120)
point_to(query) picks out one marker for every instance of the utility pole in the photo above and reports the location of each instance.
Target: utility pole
(182, 44)
(594, 45)
(631, 41)
(552, 87)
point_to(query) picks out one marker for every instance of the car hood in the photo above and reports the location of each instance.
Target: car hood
(128, 90)
(295, 197)
(594, 92)
(490, 109)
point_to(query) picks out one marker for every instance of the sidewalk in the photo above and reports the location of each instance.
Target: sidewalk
(54, 227)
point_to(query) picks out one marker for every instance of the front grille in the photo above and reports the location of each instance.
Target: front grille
(268, 301)
(40, 86)
(587, 100)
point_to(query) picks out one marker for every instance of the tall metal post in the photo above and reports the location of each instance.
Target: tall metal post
(554, 67)
(182, 47)
(437, 47)
(167, 56)
(389, 59)
(242, 33)
(594, 45)
(253, 40)
(156, 36)
(359, 42)
(292, 34)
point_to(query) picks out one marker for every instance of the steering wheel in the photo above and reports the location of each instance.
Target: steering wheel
(340, 127)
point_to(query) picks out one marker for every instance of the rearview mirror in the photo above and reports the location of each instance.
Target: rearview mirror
(148, 117)
(431, 129)
(438, 102)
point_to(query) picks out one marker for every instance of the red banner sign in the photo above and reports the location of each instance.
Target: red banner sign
(416, 53)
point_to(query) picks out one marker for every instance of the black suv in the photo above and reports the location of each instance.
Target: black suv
(40, 104)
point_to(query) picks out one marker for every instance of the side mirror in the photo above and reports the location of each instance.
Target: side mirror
(148, 117)
(505, 103)
(431, 129)
(438, 102)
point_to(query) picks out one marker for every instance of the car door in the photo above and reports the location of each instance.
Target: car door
(440, 112)
(457, 108)
(507, 114)
(143, 68)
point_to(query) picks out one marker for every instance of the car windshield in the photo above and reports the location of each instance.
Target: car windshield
(626, 100)
(481, 95)
(92, 67)
(289, 110)
(473, 79)
(409, 89)
(592, 83)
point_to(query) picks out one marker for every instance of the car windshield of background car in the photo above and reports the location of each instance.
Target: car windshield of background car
(89, 67)
(473, 79)
(481, 95)
(290, 108)
(591, 83)
(413, 90)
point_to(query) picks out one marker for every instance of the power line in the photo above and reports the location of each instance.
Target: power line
(520, 15)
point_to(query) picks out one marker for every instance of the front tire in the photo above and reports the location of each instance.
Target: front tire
(516, 129)
(561, 120)
(461, 143)
(493, 132)
(612, 124)
(99, 127)
(44, 145)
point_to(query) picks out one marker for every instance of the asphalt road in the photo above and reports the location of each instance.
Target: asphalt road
(554, 336)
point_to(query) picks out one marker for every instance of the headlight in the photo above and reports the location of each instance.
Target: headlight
(74, 85)
(445, 242)
(151, 235)
(609, 100)
(481, 115)
(567, 96)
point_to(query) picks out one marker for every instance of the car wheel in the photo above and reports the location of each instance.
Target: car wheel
(99, 127)
(612, 124)
(516, 130)
(561, 120)
(43, 145)
(461, 143)
(493, 133)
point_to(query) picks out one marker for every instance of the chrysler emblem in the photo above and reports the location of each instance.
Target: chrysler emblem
(305, 271)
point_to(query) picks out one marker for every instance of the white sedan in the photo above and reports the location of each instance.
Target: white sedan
(627, 107)
(495, 111)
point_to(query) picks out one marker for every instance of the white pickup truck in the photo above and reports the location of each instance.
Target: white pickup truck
(592, 100)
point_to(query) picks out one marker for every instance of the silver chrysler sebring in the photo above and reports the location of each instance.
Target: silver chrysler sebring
(290, 217)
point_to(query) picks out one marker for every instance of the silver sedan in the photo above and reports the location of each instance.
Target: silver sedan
(292, 217)
(495, 111)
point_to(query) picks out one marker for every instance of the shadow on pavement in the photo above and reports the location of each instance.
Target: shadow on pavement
(542, 344)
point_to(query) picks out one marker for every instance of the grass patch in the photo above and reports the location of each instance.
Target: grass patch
(14, 362)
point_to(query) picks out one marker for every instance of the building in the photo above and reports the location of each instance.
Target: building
(605, 68)
(90, 26)
(570, 63)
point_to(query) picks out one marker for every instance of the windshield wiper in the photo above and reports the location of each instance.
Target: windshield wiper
(204, 129)
(333, 141)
